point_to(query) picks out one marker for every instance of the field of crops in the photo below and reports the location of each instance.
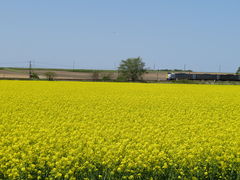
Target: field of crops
(77, 130)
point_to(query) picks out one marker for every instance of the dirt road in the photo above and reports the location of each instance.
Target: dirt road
(24, 74)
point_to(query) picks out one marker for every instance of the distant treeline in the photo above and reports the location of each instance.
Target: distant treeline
(176, 70)
(88, 70)
(58, 69)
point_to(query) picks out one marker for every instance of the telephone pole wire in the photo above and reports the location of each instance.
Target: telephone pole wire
(73, 65)
(30, 69)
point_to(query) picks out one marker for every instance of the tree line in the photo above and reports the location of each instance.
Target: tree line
(130, 69)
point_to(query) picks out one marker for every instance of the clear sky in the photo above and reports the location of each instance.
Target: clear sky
(203, 35)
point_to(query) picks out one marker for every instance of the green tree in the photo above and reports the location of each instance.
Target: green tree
(34, 76)
(50, 75)
(238, 71)
(132, 69)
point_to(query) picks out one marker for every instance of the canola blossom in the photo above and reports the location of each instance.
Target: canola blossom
(90, 130)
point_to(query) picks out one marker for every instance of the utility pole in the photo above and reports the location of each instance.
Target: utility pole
(157, 74)
(219, 68)
(73, 65)
(116, 70)
(30, 69)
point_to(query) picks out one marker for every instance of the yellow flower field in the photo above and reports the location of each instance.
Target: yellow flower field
(89, 130)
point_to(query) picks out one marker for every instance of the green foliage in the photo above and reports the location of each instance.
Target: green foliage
(57, 69)
(50, 75)
(176, 70)
(90, 70)
(34, 76)
(95, 75)
(238, 71)
(132, 69)
(107, 76)
(121, 79)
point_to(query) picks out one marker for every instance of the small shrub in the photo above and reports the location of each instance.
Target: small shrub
(50, 75)
(107, 77)
(95, 75)
(34, 76)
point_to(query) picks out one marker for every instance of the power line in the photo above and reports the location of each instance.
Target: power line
(57, 65)
(73, 65)
(36, 63)
(30, 69)
(220, 68)
(19, 62)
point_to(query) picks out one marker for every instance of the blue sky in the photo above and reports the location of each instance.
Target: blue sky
(203, 35)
